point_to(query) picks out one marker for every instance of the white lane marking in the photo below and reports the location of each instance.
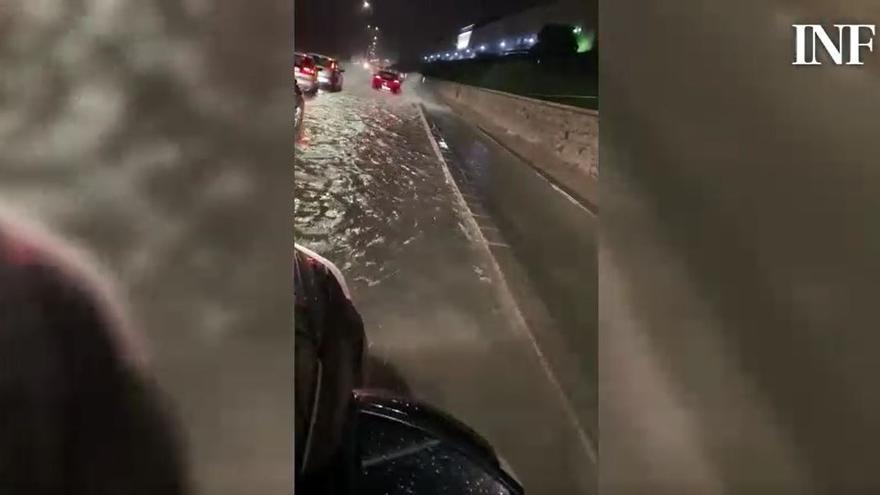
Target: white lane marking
(497, 244)
(508, 294)
(567, 196)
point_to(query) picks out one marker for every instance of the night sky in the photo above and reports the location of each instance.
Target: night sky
(410, 28)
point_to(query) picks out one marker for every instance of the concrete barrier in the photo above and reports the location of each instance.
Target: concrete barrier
(567, 135)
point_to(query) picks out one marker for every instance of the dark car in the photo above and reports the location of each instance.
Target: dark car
(330, 74)
(305, 71)
(298, 111)
(387, 80)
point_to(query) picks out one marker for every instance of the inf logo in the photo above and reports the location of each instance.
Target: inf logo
(851, 41)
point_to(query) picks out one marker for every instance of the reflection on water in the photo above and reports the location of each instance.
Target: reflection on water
(365, 171)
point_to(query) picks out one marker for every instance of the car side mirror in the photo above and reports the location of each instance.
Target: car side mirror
(406, 447)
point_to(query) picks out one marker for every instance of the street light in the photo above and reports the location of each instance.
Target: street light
(366, 5)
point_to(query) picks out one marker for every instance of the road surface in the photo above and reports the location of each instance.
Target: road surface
(372, 195)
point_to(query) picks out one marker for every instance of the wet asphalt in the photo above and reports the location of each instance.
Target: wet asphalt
(443, 324)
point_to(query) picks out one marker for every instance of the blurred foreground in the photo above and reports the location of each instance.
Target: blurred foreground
(156, 135)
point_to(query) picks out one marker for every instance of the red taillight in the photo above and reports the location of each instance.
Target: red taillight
(308, 70)
(396, 82)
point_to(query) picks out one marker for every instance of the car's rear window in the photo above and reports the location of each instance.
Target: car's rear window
(322, 61)
(388, 75)
(302, 61)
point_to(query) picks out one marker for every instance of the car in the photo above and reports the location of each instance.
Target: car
(305, 71)
(329, 72)
(298, 111)
(387, 80)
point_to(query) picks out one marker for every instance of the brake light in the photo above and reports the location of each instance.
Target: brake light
(308, 70)
(396, 81)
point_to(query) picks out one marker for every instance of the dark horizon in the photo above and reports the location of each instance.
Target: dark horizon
(409, 28)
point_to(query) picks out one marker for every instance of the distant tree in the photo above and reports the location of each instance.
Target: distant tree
(556, 40)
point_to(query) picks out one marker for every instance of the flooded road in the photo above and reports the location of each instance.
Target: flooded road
(372, 195)
(362, 175)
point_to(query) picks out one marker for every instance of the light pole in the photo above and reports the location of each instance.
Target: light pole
(372, 40)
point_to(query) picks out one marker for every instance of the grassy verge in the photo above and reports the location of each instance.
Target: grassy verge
(573, 81)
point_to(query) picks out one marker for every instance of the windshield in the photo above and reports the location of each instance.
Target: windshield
(388, 75)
